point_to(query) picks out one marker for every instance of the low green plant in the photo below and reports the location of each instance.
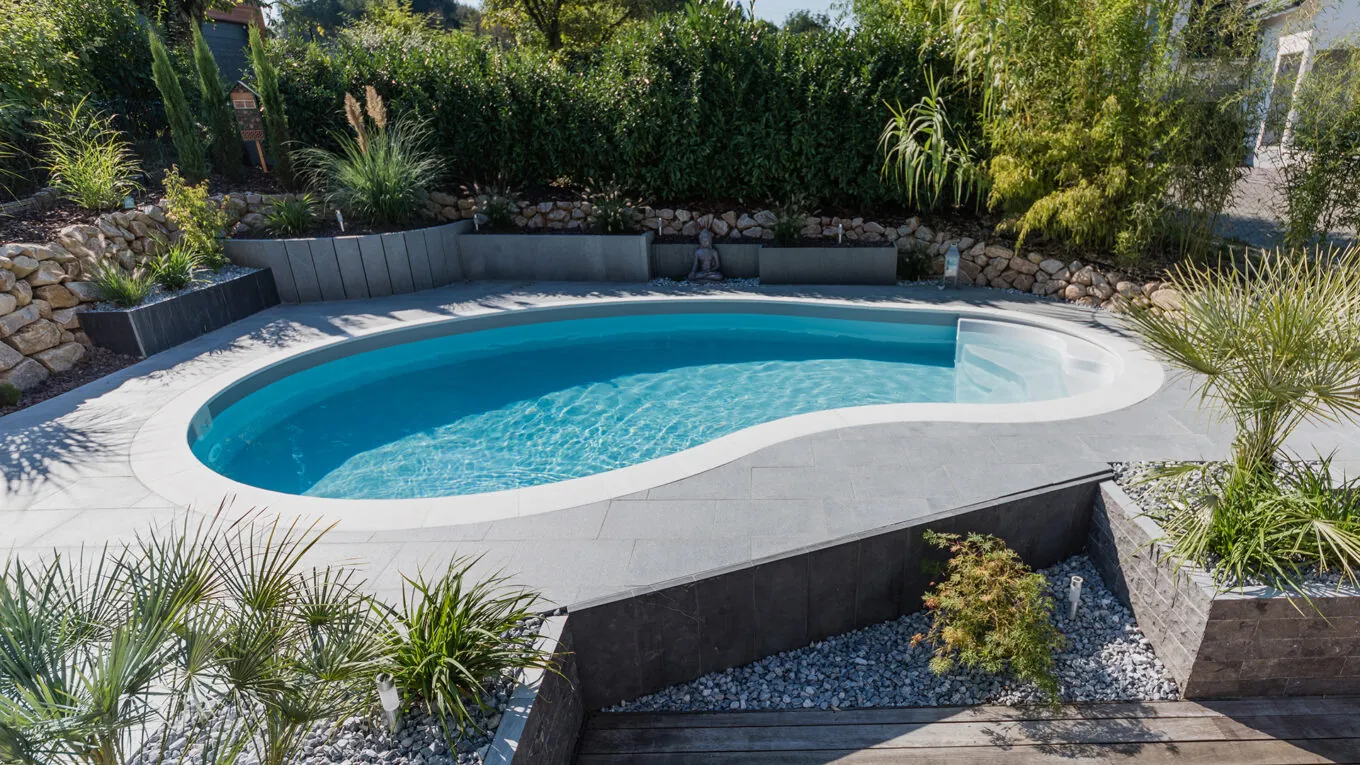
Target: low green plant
(124, 289)
(926, 154)
(991, 612)
(291, 216)
(610, 211)
(381, 172)
(790, 218)
(455, 633)
(87, 160)
(201, 220)
(10, 394)
(1247, 526)
(174, 268)
(496, 204)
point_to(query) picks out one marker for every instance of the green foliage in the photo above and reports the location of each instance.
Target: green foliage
(383, 171)
(790, 218)
(9, 396)
(218, 113)
(86, 159)
(707, 104)
(579, 25)
(454, 634)
(1275, 344)
(276, 136)
(1274, 527)
(291, 216)
(1320, 178)
(122, 288)
(183, 129)
(926, 154)
(1094, 115)
(201, 221)
(992, 612)
(496, 204)
(802, 21)
(610, 211)
(174, 268)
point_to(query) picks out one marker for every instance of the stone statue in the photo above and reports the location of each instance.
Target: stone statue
(706, 265)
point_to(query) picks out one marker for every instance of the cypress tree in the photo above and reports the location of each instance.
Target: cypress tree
(193, 162)
(218, 113)
(271, 108)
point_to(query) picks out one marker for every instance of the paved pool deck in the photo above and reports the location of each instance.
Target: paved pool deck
(68, 480)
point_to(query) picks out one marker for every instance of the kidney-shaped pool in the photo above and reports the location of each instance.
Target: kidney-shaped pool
(539, 397)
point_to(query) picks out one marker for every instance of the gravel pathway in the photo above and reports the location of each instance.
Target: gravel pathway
(1106, 659)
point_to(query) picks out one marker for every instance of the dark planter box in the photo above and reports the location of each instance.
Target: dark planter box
(1241, 643)
(148, 329)
(828, 265)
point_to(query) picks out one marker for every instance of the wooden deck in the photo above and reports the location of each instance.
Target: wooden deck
(1254, 732)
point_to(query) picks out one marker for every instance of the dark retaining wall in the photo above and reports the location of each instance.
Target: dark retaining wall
(147, 329)
(1254, 642)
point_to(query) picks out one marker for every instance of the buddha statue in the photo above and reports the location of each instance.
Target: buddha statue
(706, 265)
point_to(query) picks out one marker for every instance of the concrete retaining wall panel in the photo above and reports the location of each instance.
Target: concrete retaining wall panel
(421, 274)
(828, 265)
(349, 260)
(327, 265)
(304, 272)
(674, 260)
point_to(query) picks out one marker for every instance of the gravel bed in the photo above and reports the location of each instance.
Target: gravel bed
(1106, 659)
(1159, 495)
(206, 278)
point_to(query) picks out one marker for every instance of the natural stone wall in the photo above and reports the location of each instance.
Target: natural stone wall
(1256, 642)
(981, 263)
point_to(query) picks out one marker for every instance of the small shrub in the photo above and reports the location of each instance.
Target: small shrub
(790, 218)
(382, 172)
(454, 634)
(496, 204)
(10, 394)
(201, 220)
(89, 161)
(174, 269)
(991, 612)
(610, 211)
(291, 216)
(122, 288)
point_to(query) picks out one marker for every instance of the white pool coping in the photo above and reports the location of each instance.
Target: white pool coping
(163, 460)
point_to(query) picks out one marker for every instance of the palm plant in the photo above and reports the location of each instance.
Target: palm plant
(1276, 344)
(382, 171)
(88, 160)
(454, 634)
(926, 154)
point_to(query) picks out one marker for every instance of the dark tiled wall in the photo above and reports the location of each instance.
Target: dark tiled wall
(635, 644)
(555, 720)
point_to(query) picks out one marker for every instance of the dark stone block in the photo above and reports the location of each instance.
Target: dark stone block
(781, 605)
(727, 620)
(832, 573)
(668, 650)
(148, 329)
(878, 593)
(607, 653)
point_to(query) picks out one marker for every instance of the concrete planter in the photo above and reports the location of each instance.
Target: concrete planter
(828, 265)
(674, 261)
(147, 329)
(351, 267)
(1251, 642)
(557, 257)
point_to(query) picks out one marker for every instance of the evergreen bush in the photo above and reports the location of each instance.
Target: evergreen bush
(276, 137)
(218, 113)
(193, 161)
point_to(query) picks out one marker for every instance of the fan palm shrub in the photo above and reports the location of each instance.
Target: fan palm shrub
(88, 160)
(455, 633)
(380, 173)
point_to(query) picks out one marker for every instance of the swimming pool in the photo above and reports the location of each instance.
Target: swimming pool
(513, 405)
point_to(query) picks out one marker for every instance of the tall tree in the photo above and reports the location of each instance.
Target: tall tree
(217, 111)
(574, 23)
(193, 161)
(276, 137)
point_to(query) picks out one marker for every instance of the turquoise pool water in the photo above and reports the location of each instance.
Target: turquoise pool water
(518, 406)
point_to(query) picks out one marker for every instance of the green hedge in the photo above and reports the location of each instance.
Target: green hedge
(700, 105)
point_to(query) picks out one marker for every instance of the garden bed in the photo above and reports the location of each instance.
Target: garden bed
(1106, 659)
(1251, 640)
(96, 363)
(168, 319)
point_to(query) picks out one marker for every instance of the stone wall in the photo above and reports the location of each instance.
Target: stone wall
(1255, 642)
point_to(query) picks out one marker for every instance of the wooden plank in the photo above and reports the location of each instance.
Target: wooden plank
(375, 265)
(398, 262)
(351, 265)
(1184, 753)
(1307, 705)
(304, 273)
(420, 260)
(910, 736)
(327, 268)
